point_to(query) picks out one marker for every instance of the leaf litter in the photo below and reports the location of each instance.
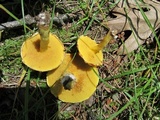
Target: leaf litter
(128, 17)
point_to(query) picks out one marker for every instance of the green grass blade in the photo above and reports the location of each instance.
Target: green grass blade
(132, 71)
(27, 95)
(148, 23)
(53, 14)
(13, 16)
(24, 23)
(132, 99)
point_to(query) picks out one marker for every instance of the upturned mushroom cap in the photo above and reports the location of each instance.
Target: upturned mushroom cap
(85, 45)
(83, 83)
(45, 60)
(90, 51)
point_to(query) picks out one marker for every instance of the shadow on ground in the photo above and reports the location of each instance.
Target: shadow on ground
(42, 105)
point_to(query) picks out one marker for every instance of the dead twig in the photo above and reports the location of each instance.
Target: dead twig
(14, 24)
(58, 19)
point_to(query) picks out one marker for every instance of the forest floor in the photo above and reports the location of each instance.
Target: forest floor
(129, 79)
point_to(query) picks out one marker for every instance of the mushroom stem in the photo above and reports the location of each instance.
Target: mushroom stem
(43, 21)
(44, 34)
(103, 43)
(68, 81)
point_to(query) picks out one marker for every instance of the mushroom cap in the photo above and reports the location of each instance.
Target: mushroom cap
(84, 86)
(47, 60)
(85, 45)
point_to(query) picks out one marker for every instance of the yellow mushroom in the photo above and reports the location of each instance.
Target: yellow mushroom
(43, 51)
(90, 51)
(74, 80)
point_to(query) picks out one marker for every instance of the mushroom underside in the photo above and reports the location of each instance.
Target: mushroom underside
(85, 83)
(85, 45)
(47, 60)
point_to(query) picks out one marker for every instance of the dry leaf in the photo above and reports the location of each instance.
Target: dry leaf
(129, 17)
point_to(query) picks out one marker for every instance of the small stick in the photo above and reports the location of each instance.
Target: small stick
(13, 24)
(31, 20)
